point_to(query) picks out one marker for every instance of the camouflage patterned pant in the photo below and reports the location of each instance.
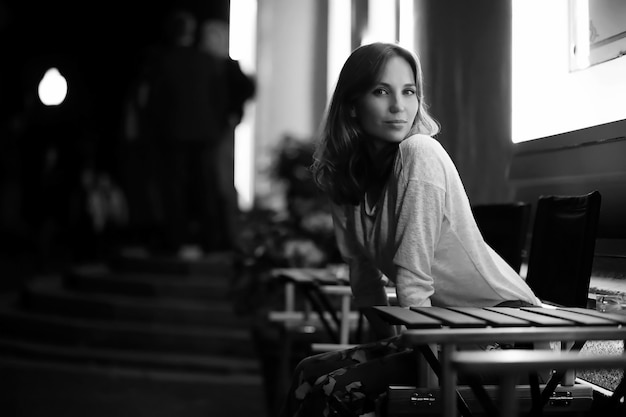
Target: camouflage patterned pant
(349, 382)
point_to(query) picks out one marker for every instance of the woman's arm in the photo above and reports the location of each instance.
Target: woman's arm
(419, 224)
(366, 281)
(368, 290)
(420, 214)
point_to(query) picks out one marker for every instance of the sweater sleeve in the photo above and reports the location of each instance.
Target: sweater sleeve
(419, 224)
(420, 213)
(365, 279)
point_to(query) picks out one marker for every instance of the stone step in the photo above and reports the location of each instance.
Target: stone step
(34, 389)
(157, 337)
(102, 279)
(49, 295)
(196, 364)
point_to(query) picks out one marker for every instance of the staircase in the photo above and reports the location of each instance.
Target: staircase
(134, 337)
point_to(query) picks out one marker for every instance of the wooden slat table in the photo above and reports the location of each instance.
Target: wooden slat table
(318, 285)
(508, 364)
(458, 326)
(309, 281)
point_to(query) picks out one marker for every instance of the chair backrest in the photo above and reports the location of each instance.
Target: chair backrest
(504, 227)
(562, 248)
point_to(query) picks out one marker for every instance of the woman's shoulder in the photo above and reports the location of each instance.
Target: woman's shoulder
(422, 147)
(423, 157)
(419, 142)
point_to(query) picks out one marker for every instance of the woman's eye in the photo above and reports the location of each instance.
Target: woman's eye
(409, 92)
(380, 92)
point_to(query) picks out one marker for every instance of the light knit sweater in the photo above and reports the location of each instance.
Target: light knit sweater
(422, 236)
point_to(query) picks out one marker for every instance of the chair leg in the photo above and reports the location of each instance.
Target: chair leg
(619, 392)
(535, 392)
(508, 399)
(435, 365)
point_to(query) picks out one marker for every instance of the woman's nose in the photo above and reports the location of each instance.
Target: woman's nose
(397, 105)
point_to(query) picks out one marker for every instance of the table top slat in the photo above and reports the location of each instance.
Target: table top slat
(494, 318)
(298, 275)
(536, 319)
(458, 336)
(407, 317)
(615, 317)
(450, 318)
(577, 317)
(308, 276)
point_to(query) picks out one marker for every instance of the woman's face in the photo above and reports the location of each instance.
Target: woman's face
(387, 110)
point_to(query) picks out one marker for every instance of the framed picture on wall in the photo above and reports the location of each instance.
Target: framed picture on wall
(598, 31)
(607, 30)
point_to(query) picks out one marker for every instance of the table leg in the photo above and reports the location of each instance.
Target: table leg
(318, 301)
(448, 379)
(426, 375)
(508, 400)
(290, 296)
(435, 369)
(344, 335)
(570, 375)
(552, 383)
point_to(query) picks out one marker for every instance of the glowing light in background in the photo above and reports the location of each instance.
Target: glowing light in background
(242, 33)
(242, 47)
(52, 88)
(381, 25)
(339, 34)
(540, 65)
(551, 92)
(580, 52)
(406, 23)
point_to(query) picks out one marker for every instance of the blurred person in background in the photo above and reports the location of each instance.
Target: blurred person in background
(213, 40)
(182, 114)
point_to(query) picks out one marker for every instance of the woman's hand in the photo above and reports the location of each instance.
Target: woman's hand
(379, 328)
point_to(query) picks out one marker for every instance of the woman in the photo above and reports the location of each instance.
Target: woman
(401, 214)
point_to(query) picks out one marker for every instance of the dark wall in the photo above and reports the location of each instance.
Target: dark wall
(577, 163)
(465, 50)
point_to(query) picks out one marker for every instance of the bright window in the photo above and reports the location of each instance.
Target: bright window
(549, 97)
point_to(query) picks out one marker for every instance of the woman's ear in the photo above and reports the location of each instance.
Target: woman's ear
(352, 112)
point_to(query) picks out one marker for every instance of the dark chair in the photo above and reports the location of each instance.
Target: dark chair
(562, 248)
(504, 227)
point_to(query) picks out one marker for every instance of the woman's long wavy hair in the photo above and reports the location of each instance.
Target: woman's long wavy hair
(341, 165)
